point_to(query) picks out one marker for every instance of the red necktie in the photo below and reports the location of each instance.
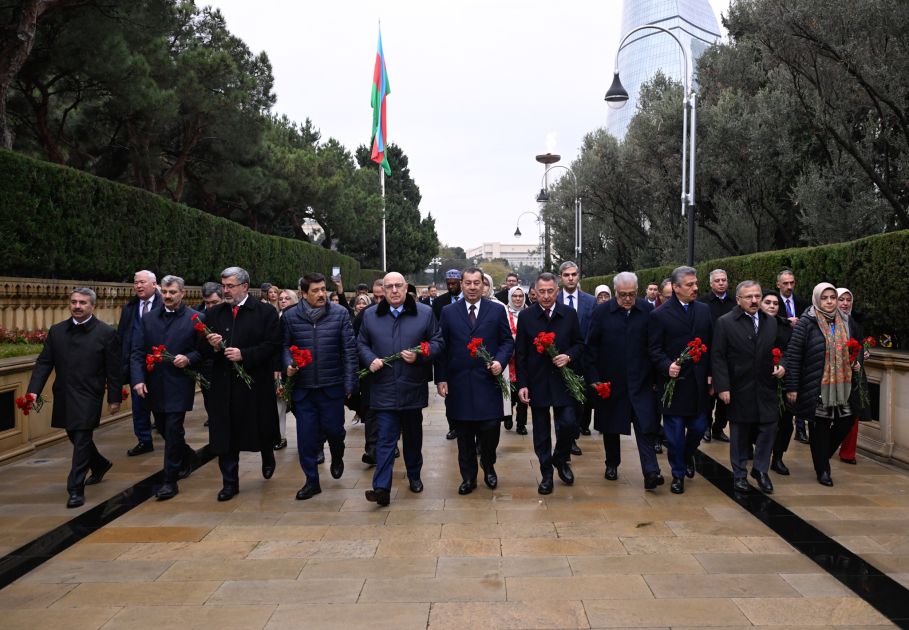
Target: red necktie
(235, 309)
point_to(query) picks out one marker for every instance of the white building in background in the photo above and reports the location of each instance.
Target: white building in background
(692, 21)
(517, 254)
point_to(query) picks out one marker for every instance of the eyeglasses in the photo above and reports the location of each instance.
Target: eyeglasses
(626, 295)
(284, 299)
(398, 285)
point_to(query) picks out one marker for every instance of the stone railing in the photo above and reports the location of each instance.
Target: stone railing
(887, 436)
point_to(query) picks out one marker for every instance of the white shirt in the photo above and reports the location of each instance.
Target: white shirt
(574, 295)
(243, 301)
(150, 301)
(476, 310)
(88, 319)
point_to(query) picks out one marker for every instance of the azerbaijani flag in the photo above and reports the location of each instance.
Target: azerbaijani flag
(380, 89)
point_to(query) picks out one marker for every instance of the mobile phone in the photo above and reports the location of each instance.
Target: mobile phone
(335, 273)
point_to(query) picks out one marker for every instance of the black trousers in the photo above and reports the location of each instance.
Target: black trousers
(470, 433)
(826, 436)
(741, 436)
(783, 434)
(85, 457)
(176, 453)
(566, 430)
(644, 441)
(719, 421)
(584, 414)
(229, 463)
(520, 412)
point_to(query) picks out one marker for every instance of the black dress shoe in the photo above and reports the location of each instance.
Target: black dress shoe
(720, 436)
(565, 474)
(509, 423)
(227, 493)
(842, 459)
(467, 487)
(779, 467)
(585, 431)
(167, 491)
(368, 459)
(824, 479)
(140, 449)
(652, 481)
(75, 500)
(379, 495)
(689, 468)
(282, 443)
(451, 435)
(706, 437)
(308, 491)
(612, 473)
(337, 468)
(98, 475)
(320, 458)
(658, 448)
(801, 436)
(763, 480)
(491, 479)
(268, 469)
(575, 449)
(545, 486)
(741, 485)
(416, 485)
(678, 485)
(522, 429)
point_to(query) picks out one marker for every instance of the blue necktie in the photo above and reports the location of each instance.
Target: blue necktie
(685, 306)
(571, 301)
(395, 312)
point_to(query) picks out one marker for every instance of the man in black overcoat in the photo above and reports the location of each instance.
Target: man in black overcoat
(745, 378)
(720, 302)
(617, 354)
(85, 353)
(168, 391)
(243, 418)
(539, 380)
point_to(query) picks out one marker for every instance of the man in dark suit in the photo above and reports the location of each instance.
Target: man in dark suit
(745, 378)
(720, 302)
(243, 417)
(167, 390)
(431, 297)
(671, 327)
(583, 304)
(146, 299)
(454, 294)
(539, 380)
(85, 353)
(652, 294)
(474, 403)
(617, 354)
(792, 307)
(511, 280)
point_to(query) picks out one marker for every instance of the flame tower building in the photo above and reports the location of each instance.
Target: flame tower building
(648, 51)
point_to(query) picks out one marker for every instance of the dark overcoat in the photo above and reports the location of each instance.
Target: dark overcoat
(536, 371)
(669, 330)
(718, 307)
(240, 418)
(129, 326)
(87, 360)
(742, 365)
(442, 301)
(617, 353)
(170, 389)
(473, 392)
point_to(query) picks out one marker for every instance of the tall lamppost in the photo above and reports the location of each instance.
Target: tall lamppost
(617, 96)
(543, 197)
(540, 242)
(436, 263)
(546, 159)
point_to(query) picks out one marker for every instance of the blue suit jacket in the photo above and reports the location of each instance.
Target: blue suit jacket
(129, 326)
(584, 308)
(473, 393)
(536, 371)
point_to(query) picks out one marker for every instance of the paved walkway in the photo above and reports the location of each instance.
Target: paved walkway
(599, 554)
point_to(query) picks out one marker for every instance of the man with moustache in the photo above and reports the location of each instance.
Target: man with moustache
(397, 391)
(85, 353)
(167, 390)
(454, 294)
(473, 400)
(146, 299)
(539, 381)
(720, 303)
(320, 388)
(243, 417)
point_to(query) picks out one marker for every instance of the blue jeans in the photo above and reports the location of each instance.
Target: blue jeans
(141, 417)
(683, 433)
(320, 414)
(408, 424)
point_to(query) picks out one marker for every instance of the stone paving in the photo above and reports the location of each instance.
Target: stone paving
(599, 554)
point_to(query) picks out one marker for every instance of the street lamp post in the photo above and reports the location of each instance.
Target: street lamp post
(436, 263)
(617, 96)
(578, 227)
(546, 159)
(540, 242)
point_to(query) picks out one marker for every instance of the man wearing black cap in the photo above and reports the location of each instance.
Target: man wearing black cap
(454, 294)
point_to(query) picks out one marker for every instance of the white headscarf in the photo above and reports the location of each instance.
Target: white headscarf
(510, 306)
(600, 288)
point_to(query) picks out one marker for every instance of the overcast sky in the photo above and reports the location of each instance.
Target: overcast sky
(478, 88)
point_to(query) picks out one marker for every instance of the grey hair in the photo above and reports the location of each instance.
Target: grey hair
(239, 273)
(168, 280)
(624, 277)
(545, 276)
(784, 272)
(92, 296)
(716, 272)
(148, 273)
(211, 288)
(744, 284)
(568, 264)
(680, 272)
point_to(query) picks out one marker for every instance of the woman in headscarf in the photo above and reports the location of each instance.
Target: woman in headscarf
(819, 375)
(516, 304)
(489, 289)
(845, 302)
(770, 304)
(286, 299)
(602, 293)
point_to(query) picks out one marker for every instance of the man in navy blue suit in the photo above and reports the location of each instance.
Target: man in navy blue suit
(572, 296)
(539, 380)
(671, 327)
(473, 401)
(167, 390)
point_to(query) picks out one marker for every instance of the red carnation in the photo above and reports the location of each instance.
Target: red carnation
(424, 348)
(603, 390)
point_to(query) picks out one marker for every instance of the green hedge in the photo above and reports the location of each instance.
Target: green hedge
(58, 222)
(868, 267)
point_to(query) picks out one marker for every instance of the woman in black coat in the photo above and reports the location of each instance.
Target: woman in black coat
(844, 301)
(770, 306)
(819, 376)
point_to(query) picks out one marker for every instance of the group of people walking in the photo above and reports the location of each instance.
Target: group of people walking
(658, 364)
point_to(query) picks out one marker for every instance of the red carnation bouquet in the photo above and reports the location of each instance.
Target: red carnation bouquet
(301, 357)
(30, 402)
(478, 351)
(423, 349)
(603, 390)
(161, 355)
(545, 344)
(202, 329)
(692, 352)
(777, 359)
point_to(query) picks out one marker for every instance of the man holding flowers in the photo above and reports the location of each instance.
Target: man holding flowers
(397, 342)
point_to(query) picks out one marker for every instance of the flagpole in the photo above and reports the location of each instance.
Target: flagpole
(382, 184)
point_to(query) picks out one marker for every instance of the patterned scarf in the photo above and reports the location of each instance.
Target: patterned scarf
(836, 381)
